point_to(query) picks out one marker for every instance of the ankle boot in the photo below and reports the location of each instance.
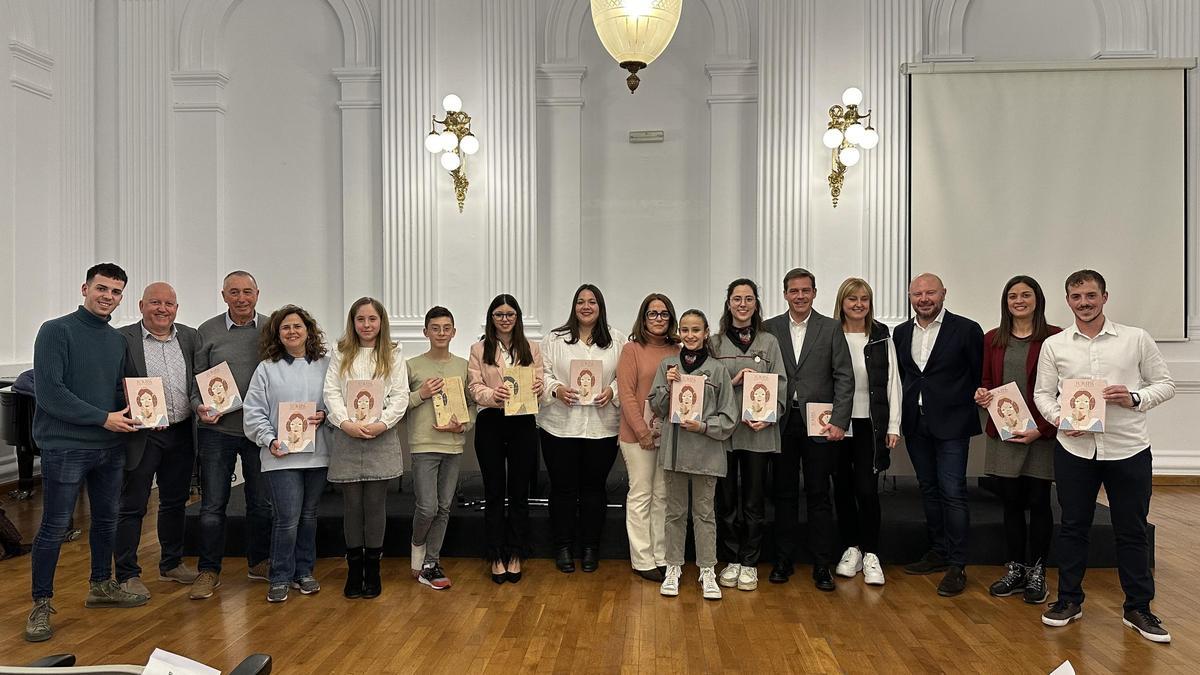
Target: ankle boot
(563, 560)
(372, 584)
(354, 573)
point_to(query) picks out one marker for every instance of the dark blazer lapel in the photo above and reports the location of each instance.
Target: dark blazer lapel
(811, 335)
(138, 349)
(783, 333)
(188, 346)
(945, 335)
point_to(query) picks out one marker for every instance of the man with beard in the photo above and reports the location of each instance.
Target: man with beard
(1119, 459)
(940, 356)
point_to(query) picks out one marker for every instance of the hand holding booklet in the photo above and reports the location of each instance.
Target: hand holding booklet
(364, 400)
(521, 399)
(296, 432)
(147, 401)
(587, 379)
(450, 404)
(1081, 405)
(1009, 412)
(218, 390)
(687, 399)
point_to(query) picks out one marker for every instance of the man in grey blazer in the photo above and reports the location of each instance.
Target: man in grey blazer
(158, 347)
(819, 370)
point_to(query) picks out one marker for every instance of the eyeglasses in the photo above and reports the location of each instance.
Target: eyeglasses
(504, 316)
(658, 316)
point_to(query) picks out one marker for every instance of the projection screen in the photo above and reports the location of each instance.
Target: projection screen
(1043, 170)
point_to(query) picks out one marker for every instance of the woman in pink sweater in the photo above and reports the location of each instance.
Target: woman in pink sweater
(653, 338)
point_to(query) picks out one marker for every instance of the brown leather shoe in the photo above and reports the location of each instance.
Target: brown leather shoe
(207, 582)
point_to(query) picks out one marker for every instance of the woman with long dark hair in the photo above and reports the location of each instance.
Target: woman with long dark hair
(743, 348)
(1023, 464)
(652, 339)
(579, 435)
(505, 445)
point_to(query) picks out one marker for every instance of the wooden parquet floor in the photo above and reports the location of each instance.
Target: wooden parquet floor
(612, 621)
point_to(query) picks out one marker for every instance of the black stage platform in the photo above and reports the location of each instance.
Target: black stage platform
(902, 539)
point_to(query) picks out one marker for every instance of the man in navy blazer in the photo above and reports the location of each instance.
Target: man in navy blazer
(157, 346)
(940, 356)
(817, 361)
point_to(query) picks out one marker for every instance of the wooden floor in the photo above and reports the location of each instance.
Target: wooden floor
(612, 621)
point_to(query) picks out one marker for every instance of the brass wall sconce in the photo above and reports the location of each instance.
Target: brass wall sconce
(844, 137)
(455, 142)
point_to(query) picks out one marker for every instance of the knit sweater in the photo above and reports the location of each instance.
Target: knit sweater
(78, 362)
(635, 374)
(237, 346)
(422, 437)
(287, 380)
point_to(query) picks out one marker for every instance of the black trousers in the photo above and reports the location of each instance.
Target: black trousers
(819, 461)
(170, 455)
(506, 448)
(741, 513)
(1020, 494)
(1127, 484)
(578, 469)
(856, 489)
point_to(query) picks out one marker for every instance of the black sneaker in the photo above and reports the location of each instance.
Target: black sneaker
(1035, 584)
(1061, 613)
(433, 577)
(929, 563)
(1144, 622)
(1013, 581)
(953, 583)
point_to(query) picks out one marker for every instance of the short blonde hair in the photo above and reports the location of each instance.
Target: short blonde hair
(855, 285)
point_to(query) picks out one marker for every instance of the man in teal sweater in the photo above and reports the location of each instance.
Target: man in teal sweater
(78, 362)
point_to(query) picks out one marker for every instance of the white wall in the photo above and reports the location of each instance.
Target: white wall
(253, 136)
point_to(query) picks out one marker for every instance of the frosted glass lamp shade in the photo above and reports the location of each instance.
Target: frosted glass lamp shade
(635, 32)
(849, 156)
(832, 138)
(870, 138)
(433, 142)
(852, 96)
(450, 161)
(469, 144)
(449, 140)
(854, 133)
(452, 103)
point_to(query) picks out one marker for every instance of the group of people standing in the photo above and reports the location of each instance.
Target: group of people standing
(925, 381)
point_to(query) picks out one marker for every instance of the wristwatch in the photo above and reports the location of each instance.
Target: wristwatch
(1137, 400)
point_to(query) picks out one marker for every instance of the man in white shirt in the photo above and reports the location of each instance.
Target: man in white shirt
(1119, 458)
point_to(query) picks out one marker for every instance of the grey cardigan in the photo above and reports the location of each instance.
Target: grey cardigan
(690, 452)
(763, 356)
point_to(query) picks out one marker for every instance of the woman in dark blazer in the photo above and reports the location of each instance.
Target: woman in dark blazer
(1021, 460)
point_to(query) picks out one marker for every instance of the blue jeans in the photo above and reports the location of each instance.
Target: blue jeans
(64, 472)
(941, 468)
(218, 456)
(295, 494)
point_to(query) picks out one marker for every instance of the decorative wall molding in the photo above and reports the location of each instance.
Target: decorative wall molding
(145, 216)
(730, 20)
(360, 88)
(32, 69)
(410, 264)
(1125, 29)
(892, 38)
(944, 31)
(76, 83)
(732, 82)
(508, 126)
(786, 35)
(199, 91)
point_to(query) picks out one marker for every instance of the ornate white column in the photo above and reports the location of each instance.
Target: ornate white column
(1179, 36)
(362, 238)
(410, 269)
(145, 215)
(892, 38)
(509, 153)
(560, 128)
(732, 109)
(76, 83)
(786, 134)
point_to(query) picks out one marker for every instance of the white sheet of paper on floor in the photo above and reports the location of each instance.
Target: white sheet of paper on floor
(1065, 669)
(163, 662)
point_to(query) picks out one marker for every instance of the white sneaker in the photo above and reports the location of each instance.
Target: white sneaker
(417, 562)
(708, 582)
(730, 575)
(748, 579)
(872, 570)
(851, 563)
(670, 584)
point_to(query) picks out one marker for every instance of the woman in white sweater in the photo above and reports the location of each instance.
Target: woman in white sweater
(365, 456)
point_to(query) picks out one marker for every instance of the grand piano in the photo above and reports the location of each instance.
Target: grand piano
(16, 429)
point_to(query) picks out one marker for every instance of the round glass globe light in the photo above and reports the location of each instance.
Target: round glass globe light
(449, 140)
(469, 144)
(870, 138)
(832, 138)
(452, 103)
(433, 142)
(450, 161)
(849, 156)
(852, 96)
(854, 133)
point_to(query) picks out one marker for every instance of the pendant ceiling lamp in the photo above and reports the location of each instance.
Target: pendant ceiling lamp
(635, 32)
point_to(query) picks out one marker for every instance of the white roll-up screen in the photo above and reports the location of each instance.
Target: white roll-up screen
(1048, 171)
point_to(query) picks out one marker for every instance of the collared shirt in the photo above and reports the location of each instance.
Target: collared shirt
(164, 358)
(924, 338)
(1118, 355)
(579, 421)
(798, 330)
(230, 325)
